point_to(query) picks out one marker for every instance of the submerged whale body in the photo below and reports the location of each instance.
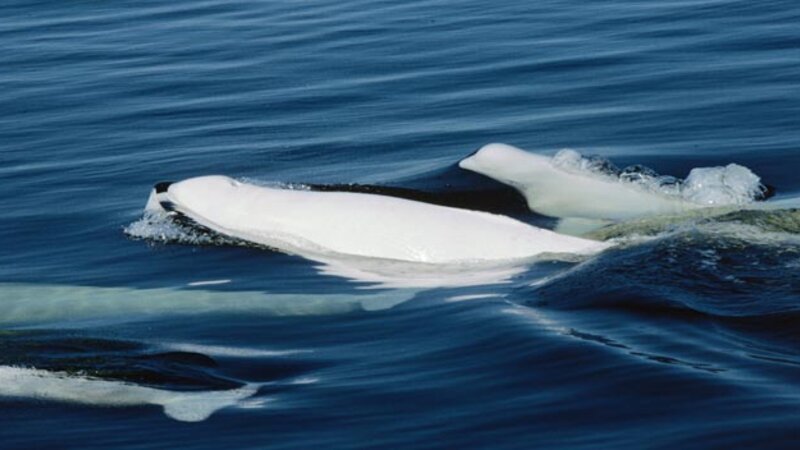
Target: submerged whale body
(564, 187)
(63, 387)
(319, 225)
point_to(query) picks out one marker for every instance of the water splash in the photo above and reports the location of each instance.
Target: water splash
(709, 186)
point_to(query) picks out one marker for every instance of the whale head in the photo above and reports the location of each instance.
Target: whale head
(212, 189)
(178, 200)
(505, 163)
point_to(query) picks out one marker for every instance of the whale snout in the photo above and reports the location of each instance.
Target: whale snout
(159, 198)
(497, 160)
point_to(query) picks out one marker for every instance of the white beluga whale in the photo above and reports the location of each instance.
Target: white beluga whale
(192, 406)
(41, 305)
(567, 187)
(323, 226)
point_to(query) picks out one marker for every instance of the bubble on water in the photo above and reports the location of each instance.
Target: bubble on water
(729, 185)
(572, 160)
(160, 227)
(712, 186)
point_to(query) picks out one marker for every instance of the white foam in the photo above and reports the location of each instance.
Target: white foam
(305, 380)
(63, 387)
(722, 186)
(225, 351)
(570, 159)
(467, 297)
(208, 282)
(157, 226)
(709, 186)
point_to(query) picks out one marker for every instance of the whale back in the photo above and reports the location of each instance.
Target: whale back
(316, 224)
(556, 192)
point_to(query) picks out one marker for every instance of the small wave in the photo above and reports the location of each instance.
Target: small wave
(208, 282)
(718, 269)
(566, 329)
(230, 352)
(783, 222)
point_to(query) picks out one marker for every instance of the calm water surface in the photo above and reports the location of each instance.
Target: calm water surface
(689, 340)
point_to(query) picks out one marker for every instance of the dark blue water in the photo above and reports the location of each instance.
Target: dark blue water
(690, 340)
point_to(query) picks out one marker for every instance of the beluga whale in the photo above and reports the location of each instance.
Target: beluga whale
(327, 225)
(592, 192)
(192, 406)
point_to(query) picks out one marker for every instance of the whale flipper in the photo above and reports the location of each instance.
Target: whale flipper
(199, 406)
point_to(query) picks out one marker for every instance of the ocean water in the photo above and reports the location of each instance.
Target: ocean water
(689, 338)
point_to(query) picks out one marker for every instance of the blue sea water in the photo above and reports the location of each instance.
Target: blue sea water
(689, 340)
